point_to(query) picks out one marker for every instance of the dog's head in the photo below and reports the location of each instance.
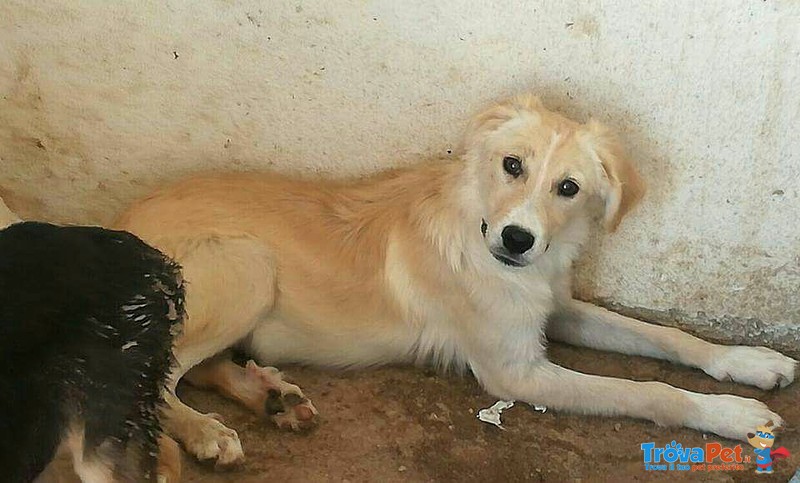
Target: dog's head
(764, 436)
(537, 172)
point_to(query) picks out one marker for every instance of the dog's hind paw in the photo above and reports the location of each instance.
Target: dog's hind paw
(756, 366)
(283, 402)
(300, 416)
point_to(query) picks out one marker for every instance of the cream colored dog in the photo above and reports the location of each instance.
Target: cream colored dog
(462, 263)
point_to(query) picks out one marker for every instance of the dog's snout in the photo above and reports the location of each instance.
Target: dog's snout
(517, 240)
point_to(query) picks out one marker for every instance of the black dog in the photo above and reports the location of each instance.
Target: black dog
(87, 321)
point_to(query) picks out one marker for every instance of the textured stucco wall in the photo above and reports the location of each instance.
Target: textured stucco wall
(101, 100)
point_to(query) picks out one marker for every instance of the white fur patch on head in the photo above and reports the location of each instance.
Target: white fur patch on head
(542, 179)
(522, 120)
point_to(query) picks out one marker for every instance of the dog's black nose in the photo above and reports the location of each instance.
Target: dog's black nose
(516, 240)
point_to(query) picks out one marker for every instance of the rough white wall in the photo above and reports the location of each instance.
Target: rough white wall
(99, 101)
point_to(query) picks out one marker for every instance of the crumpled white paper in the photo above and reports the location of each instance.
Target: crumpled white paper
(543, 409)
(492, 414)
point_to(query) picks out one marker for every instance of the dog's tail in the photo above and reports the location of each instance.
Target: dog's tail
(7, 217)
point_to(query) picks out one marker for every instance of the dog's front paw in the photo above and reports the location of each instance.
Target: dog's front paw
(756, 366)
(729, 416)
(210, 440)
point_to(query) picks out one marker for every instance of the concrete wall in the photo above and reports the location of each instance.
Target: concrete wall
(99, 101)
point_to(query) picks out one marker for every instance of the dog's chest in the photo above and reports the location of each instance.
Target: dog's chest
(518, 300)
(472, 299)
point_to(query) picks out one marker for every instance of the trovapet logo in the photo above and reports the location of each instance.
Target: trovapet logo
(762, 442)
(715, 456)
(711, 457)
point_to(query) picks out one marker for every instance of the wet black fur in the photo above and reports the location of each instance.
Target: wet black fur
(87, 321)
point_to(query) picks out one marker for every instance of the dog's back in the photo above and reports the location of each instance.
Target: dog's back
(87, 320)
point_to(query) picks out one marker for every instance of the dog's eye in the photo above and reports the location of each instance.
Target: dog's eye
(512, 165)
(568, 188)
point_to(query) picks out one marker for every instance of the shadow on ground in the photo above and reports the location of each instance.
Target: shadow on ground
(406, 424)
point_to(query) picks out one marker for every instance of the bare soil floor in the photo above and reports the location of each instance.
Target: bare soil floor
(406, 424)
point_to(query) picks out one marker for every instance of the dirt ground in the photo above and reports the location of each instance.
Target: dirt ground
(406, 424)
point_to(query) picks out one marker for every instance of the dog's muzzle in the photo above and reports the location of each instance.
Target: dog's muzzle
(502, 254)
(509, 260)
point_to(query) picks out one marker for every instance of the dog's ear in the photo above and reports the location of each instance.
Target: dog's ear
(490, 119)
(769, 424)
(622, 186)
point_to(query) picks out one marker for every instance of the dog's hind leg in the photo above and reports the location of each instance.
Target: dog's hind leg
(169, 460)
(94, 466)
(7, 217)
(584, 324)
(230, 286)
(262, 389)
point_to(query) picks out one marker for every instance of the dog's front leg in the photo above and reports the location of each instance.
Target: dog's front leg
(584, 324)
(545, 383)
(201, 434)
